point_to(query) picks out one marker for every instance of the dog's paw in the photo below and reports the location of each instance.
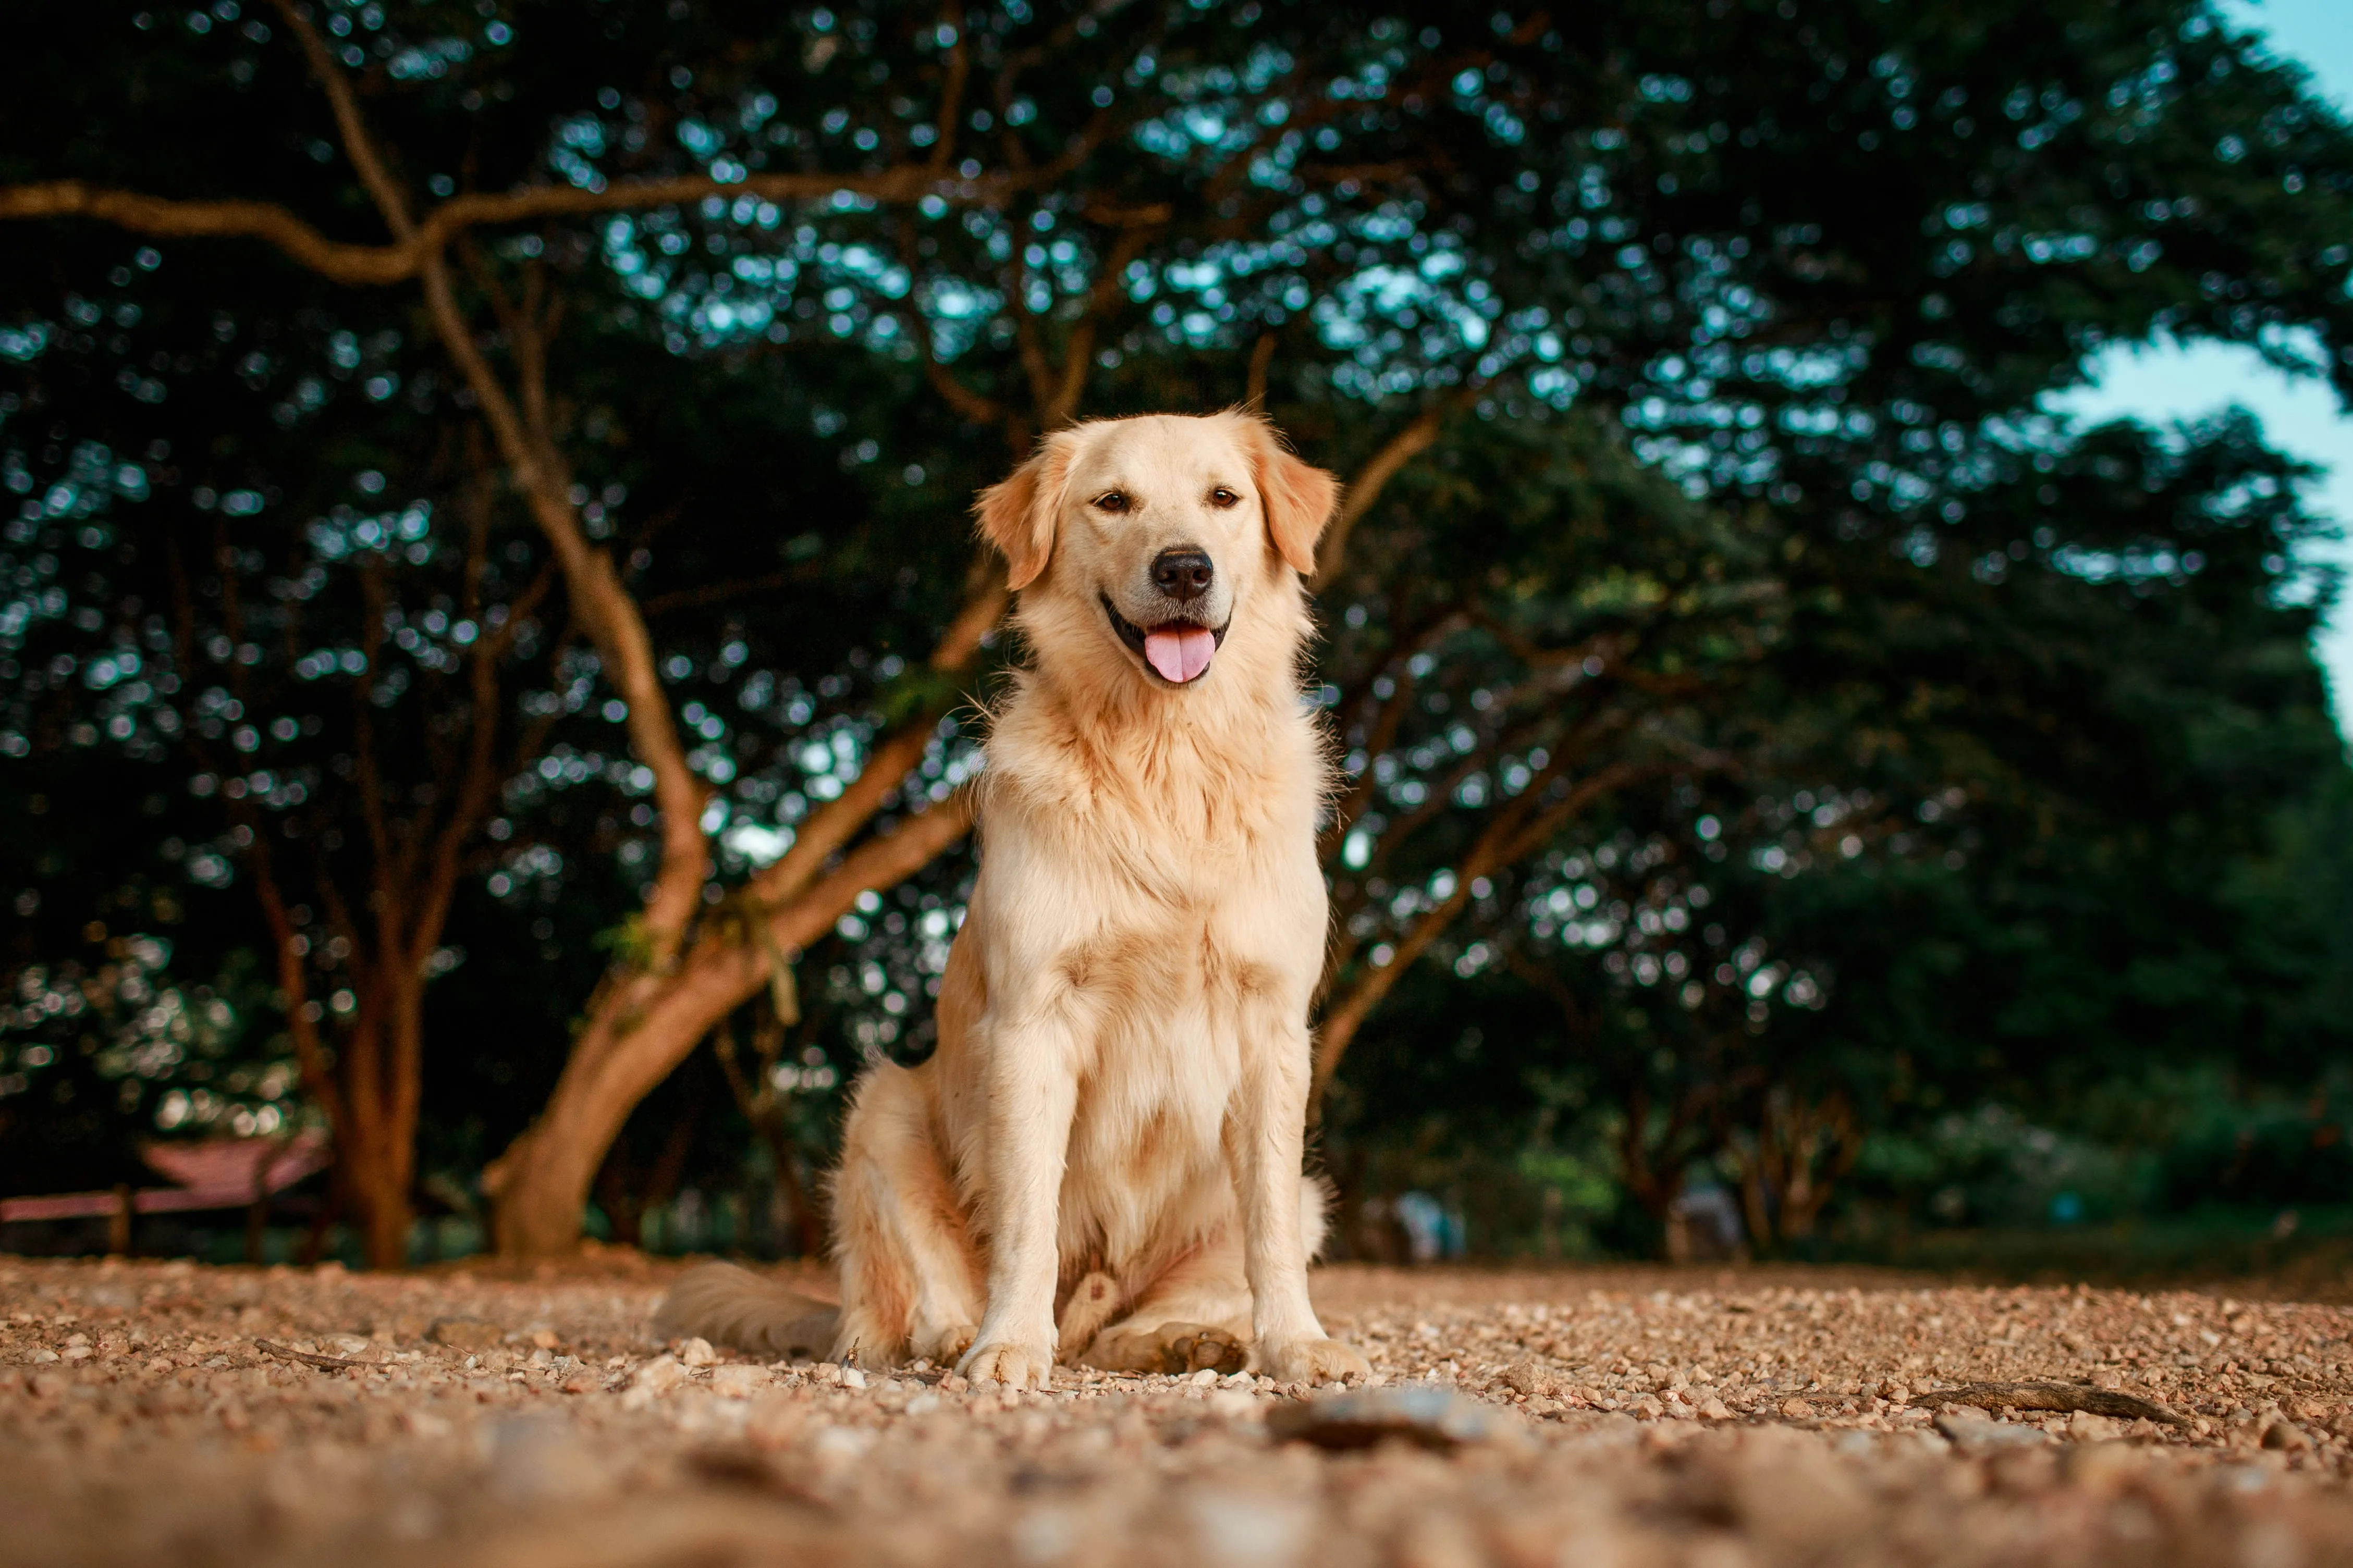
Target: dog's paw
(1173, 1349)
(1314, 1361)
(942, 1346)
(1014, 1365)
(1190, 1347)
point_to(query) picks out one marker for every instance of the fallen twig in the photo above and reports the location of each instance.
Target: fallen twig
(307, 1358)
(2053, 1396)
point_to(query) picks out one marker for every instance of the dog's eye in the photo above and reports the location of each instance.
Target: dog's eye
(1112, 500)
(1222, 497)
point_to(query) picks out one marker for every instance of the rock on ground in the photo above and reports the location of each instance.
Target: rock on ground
(166, 1414)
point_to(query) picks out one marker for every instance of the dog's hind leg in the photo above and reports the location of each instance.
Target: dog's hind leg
(909, 1278)
(1093, 1302)
(1195, 1314)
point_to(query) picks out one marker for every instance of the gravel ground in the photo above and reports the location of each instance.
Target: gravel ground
(163, 1413)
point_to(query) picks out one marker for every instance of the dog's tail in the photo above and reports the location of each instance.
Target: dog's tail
(731, 1306)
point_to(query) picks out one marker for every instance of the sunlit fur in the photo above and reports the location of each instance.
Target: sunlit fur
(1120, 1089)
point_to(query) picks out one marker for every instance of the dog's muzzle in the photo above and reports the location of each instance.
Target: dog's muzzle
(1175, 651)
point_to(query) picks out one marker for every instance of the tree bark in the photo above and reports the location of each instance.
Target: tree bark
(385, 1238)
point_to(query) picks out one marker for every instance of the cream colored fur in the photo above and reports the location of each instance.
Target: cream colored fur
(1110, 1133)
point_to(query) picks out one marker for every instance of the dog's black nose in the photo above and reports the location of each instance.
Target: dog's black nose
(1182, 572)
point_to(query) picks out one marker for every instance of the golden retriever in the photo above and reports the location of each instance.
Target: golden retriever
(1104, 1158)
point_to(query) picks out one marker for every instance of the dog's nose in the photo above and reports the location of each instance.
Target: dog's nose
(1183, 572)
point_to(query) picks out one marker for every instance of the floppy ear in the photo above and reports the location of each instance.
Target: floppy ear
(1299, 500)
(1018, 515)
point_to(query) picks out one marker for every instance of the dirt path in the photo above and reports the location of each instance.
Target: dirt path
(1765, 1416)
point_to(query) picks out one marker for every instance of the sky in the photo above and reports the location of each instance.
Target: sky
(2167, 382)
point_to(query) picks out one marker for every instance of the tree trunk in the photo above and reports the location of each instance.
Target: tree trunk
(640, 1028)
(1654, 1179)
(642, 1025)
(385, 1235)
(1791, 1162)
(372, 1186)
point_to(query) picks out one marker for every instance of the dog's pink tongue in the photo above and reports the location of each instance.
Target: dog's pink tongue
(1179, 653)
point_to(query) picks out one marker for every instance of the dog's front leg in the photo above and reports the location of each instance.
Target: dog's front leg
(1270, 1121)
(1032, 1085)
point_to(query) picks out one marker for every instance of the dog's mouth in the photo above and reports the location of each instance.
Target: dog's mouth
(1175, 651)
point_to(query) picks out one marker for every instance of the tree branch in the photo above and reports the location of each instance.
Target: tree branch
(310, 1055)
(1504, 841)
(1254, 382)
(883, 861)
(381, 264)
(716, 592)
(951, 91)
(1078, 352)
(358, 145)
(976, 407)
(835, 822)
(1365, 486)
(611, 617)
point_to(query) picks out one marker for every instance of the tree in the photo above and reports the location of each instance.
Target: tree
(2005, 853)
(377, 1070)
(334, 705)
(1811, 320)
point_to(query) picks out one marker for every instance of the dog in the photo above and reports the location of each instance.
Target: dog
(1102, 1160)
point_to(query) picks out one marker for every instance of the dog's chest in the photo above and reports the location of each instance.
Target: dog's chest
(1171, 906)
(1181, 1010)
(1211, 877)
(1146, 1139)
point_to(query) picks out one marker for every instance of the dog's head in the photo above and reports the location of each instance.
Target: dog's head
(1164, 527)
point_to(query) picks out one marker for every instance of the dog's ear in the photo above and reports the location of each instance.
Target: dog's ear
(1299, 500)
(1018, 515)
